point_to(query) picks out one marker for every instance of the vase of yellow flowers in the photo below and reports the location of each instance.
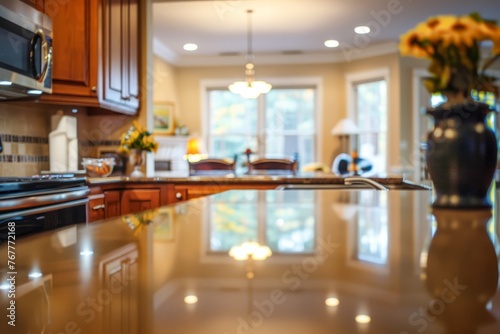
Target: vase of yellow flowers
(461, 152)
(136, 142)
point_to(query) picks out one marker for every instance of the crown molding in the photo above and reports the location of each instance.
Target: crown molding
(344, 53)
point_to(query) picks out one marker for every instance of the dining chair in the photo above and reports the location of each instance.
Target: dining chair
(212, 166)
(273, 166)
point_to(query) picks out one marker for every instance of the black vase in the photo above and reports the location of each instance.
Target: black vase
(461, 155)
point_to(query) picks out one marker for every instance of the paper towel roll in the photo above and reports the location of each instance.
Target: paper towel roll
(63, 144)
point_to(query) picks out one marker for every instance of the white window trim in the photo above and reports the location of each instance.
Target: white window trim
(206, 84)
(366, 76)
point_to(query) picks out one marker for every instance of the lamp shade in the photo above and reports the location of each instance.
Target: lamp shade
(345, 127)
(195, 149)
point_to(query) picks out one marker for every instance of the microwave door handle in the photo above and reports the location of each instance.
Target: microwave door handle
(46, 55)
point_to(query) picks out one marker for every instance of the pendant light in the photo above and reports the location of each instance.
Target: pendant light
(249, 89)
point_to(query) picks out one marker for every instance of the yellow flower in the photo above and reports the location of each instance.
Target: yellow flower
(452, 45)
(463, 32)
(410, 46)
(137, 137)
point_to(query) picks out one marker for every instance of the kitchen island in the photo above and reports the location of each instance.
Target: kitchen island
(343, 261)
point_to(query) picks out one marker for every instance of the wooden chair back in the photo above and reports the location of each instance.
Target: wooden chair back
(212, 166)
(272, 166)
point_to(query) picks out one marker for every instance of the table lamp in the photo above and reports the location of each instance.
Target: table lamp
(195, 150)
(344, 129)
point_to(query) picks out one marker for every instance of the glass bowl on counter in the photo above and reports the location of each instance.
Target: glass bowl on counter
(98, 167)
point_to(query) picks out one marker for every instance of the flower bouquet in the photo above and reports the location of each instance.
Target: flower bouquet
(134, 142)
(138, 138)
(453, 45)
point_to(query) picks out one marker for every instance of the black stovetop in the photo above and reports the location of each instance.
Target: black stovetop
(33, 184)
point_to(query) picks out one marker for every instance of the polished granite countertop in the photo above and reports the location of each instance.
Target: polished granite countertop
(343, 261)
(277, 179)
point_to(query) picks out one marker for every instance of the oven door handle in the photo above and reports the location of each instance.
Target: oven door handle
(39, 200)
(44, 209)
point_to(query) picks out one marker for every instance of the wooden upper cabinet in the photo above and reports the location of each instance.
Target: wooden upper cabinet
(86, 73)
(75, 56)
(38, 4)
(120, 49)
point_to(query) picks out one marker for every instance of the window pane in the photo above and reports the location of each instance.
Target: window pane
(371, 118)
(287, 146)
(229, 146)
(290, 110)
(231, 114)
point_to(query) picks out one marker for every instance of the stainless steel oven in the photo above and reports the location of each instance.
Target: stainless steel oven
(36, 204)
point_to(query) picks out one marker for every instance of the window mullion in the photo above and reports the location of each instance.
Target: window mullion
(261, 129)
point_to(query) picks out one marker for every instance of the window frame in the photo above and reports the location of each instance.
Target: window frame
(278, 83)
(353, 79)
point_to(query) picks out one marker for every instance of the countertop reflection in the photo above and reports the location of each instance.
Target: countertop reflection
(358, 261)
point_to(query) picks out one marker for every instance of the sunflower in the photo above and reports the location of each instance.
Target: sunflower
(452, 45)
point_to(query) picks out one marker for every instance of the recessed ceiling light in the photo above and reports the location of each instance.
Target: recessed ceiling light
(5, 83)
(362, 30)
(190, 47)
(332, 301)
(190, 299)
(332, 43)
(363, 319)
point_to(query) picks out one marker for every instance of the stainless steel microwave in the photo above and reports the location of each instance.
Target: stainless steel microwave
(25, 51)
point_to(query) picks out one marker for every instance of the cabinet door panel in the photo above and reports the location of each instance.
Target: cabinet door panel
(120, 53)
(139, 200)
(74, 46)
(134, 50)
(112, 203)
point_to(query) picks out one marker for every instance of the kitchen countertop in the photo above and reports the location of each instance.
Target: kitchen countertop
(386, 257)
(300, 178)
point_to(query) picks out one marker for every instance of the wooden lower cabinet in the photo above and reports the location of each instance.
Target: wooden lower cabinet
(137, 200)
(112, 202)
(96, 207)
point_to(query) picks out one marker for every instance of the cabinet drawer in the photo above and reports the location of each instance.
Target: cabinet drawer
(96, 208)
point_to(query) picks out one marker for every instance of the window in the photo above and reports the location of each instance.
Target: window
(278, 124)
(369, 110)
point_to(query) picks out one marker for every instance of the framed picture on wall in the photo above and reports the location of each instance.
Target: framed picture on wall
(163, 114)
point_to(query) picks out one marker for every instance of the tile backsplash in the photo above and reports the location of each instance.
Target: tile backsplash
(24, 133)
(25, 128)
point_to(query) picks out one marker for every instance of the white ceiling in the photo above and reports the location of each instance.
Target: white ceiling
(292, 30)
